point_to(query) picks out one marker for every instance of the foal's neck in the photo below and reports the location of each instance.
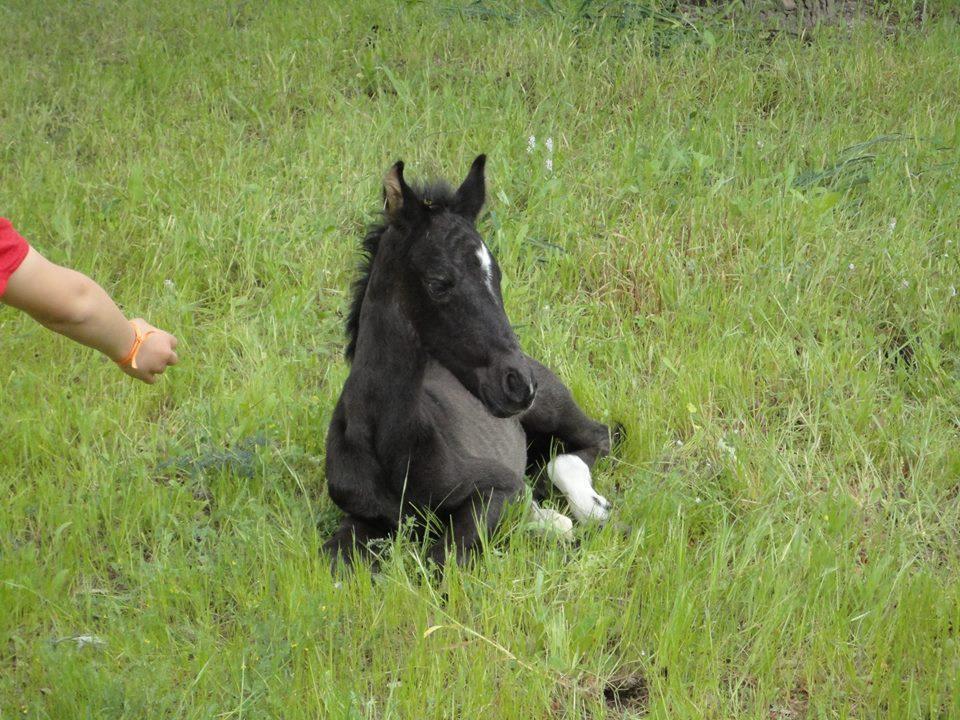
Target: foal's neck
(389, 352)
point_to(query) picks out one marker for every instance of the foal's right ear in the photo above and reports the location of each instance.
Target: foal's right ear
(397, 195)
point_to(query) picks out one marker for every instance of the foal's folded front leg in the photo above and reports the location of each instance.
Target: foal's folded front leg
(555, 415)
(356, 486)
(479, 513)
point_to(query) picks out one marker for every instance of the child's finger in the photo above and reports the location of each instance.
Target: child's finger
(173, 360)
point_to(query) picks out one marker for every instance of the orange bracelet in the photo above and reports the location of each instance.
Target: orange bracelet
(130, 359)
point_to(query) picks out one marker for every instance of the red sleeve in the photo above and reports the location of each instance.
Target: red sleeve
(13, 249)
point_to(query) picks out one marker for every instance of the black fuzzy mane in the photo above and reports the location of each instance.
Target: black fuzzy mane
(437, 196)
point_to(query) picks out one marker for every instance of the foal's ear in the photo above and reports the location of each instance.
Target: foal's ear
(397, 195)
(471, 194)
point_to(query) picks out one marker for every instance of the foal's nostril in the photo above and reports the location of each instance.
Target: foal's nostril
(515, 385)
(520, 388)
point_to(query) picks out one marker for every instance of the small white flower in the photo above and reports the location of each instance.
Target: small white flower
(531, 143)
(851, 266)
(168, 284)
(679, 443)
(83, 640)
(905, 283)
(549, 144)
(549, 164)
(953, 291)
(893, 224)
(698, 501)
(729, 449)
(760, 144)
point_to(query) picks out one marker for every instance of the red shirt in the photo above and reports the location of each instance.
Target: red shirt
(13, 249)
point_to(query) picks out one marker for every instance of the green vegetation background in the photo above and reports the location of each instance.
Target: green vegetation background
(746, 252)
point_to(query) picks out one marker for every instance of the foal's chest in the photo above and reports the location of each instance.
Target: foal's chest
(462, 420)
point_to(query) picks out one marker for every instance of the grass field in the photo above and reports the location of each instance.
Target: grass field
(746, 251)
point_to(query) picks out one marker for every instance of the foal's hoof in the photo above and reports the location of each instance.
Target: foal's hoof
(590, 506)
(551, 521)
(572, 476)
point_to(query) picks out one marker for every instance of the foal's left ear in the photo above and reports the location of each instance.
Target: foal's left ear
(470, 195)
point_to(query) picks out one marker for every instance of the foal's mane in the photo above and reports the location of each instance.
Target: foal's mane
(437, 196)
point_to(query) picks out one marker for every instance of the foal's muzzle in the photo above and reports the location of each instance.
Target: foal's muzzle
(509, 387)
(519, 387)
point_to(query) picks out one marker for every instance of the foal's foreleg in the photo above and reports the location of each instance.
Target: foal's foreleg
(555, 415)
(479, 513)
(355, 483)
(353, 538)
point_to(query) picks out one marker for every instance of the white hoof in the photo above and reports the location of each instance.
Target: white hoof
(572, 477)
(551, 520)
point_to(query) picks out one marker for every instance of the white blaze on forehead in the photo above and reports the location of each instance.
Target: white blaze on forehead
(486, 265)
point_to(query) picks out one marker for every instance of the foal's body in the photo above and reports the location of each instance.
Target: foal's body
(442, 411)
(467, 425)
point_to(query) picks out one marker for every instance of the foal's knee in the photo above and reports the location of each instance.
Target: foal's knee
(600, 434)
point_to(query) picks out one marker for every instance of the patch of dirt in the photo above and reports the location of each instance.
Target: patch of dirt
(625, 695)
(628, 693)
(899, 347)
(793, 707)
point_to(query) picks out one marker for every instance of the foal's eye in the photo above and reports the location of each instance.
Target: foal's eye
(438, 287)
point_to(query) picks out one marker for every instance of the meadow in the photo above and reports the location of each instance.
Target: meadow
(744, 248)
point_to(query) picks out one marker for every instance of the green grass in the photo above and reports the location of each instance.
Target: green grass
(747, 253)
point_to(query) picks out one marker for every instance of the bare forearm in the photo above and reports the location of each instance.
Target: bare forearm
(91, 318)
(71, 304)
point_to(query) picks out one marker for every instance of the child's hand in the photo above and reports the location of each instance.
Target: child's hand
(155, 354)
(72, 304)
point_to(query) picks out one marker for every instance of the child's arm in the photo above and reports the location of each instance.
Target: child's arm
(74, 305)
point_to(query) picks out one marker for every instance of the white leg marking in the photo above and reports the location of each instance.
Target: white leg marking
(552, 520)
(572, 477)
(486, 264)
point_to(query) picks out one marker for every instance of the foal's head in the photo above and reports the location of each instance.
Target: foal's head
(450, 288)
